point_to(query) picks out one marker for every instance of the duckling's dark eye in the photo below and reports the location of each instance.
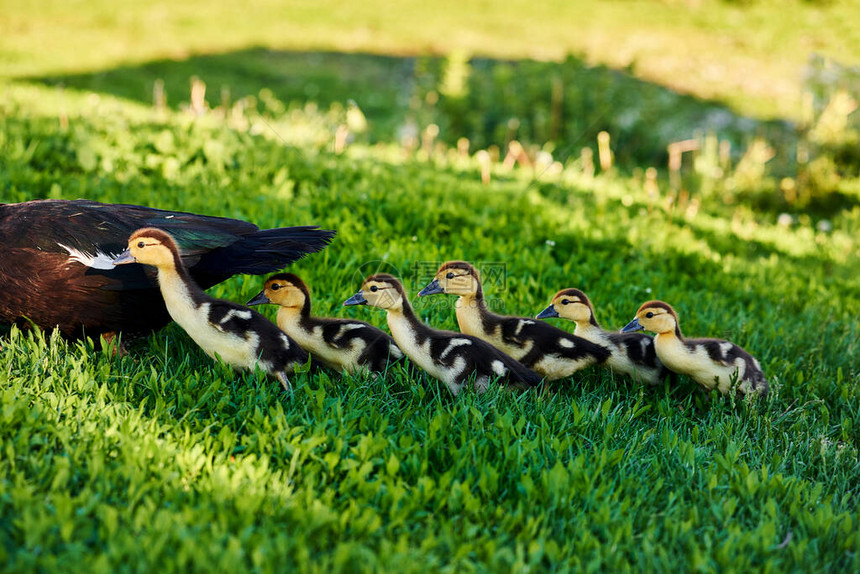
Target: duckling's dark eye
(450, 275)
(141, 244)
(649, 314)
(275, 286)
(374, 288)
(565, 301)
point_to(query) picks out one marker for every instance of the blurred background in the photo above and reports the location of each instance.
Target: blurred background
(736, 101)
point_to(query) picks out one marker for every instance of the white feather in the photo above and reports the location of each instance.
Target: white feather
(98, 261)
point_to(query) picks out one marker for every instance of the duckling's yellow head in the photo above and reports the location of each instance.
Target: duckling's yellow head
(571, 304)
(286, 290)
(655, 316)
(150, 246)
(455, 278)
(381, 290)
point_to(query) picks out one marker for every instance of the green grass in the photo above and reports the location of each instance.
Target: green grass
(164, 460)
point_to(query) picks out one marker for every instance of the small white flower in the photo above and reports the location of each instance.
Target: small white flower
(824, 226)
(550, 242)
(648, 290)
(784, 219)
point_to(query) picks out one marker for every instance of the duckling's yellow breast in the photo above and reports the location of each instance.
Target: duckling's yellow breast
(469, 318)
(234, 349)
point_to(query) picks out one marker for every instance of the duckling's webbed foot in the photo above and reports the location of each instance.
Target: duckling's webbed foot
(114, 343)
(752, 388)
(482, 384)
(455, 387)
(285, 382)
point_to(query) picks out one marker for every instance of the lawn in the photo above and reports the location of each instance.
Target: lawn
(164, 460)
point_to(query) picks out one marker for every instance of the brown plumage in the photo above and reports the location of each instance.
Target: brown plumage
(56, 265)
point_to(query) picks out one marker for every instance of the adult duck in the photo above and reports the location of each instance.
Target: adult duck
(56, 262)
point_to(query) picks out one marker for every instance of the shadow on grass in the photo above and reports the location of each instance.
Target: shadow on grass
(324, 78)
(559, 105)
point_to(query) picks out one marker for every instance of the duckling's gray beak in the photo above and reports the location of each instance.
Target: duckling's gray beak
(357, 299)
(258, 299)
(433, 288)
(124, 258)
(547, 313)
(632, 326)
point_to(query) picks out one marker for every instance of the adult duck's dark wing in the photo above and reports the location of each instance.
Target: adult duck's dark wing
(85, 226)
(217, 247)
(55, 257)
(256, 253)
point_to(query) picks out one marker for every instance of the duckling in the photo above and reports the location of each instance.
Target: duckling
(239, 336)
(710, 362)
(341, 344)
(549, 351)
(630, 353)
(450, 357)
(56, 265)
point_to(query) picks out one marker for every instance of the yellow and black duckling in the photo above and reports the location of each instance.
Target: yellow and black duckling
(239, 336)
(710, 362)
(345, 345)
(56, 264)
(450, 357)
(631, 354)
(547, 350)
